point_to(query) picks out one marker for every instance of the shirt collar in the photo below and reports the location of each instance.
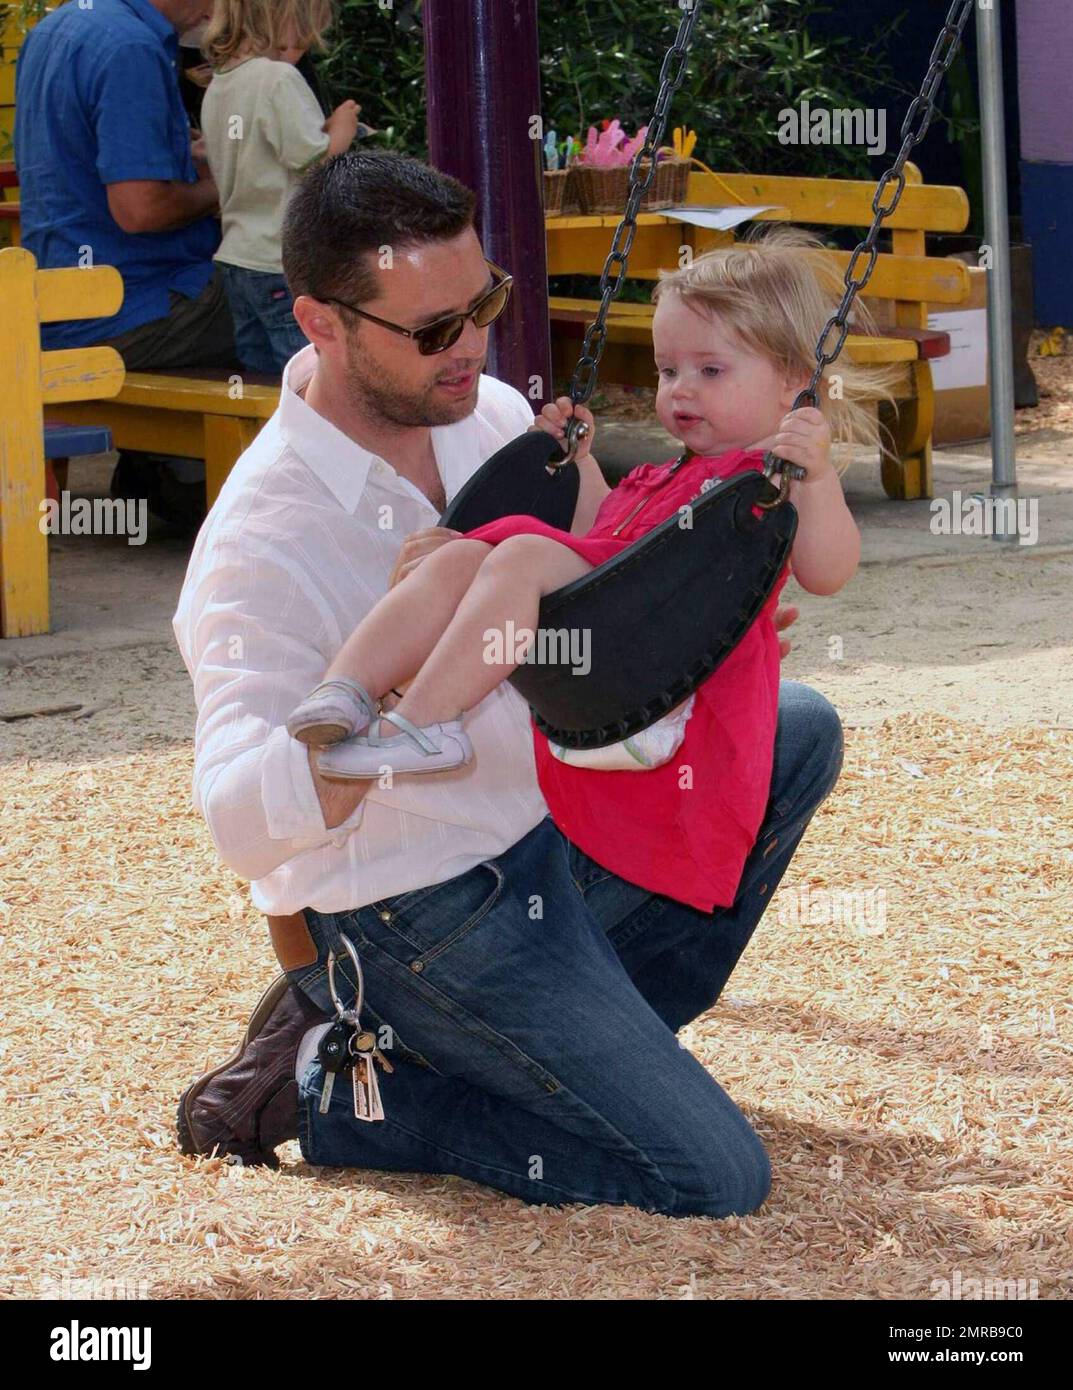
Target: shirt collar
(338, 461)
(160, 26)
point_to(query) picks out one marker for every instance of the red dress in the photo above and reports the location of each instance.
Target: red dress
(654, 828)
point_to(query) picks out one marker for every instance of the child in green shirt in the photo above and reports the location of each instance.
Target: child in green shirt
(262, 127)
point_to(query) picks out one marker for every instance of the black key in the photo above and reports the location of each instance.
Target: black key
(334, 1054)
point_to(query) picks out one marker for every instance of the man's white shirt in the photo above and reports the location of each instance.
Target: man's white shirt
(298, 547)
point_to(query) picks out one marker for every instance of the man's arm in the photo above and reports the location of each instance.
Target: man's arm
(152, 205)
(256, 640)
(149, 175)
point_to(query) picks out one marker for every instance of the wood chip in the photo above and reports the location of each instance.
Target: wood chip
(917, 1121)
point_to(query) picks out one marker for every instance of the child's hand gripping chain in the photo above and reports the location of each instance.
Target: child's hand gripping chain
(804, 437)
(555, 417)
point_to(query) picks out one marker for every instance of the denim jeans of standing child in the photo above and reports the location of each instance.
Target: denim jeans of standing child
(532, 1005)
(266, 333)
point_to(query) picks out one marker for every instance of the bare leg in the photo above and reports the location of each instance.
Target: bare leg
(508, 589)
(395, 638)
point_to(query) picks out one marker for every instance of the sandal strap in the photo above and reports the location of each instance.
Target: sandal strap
(351, 687)
(416, 736)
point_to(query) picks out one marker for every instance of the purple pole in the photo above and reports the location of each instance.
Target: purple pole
(483, 81)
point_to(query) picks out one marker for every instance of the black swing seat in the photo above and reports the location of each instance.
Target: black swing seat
(515, 482)
(621, 646)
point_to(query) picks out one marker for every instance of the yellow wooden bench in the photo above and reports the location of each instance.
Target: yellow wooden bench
(907, 277)
(34, 379)
(202, 416)
(209, 416)
(205, 415)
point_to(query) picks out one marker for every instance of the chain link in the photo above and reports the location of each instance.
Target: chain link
(914, 127)
(672, 71)
(917, 120)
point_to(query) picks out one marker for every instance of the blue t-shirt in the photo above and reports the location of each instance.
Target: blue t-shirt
(96, 102)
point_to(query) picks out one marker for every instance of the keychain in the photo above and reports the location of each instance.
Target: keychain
(352, 1048)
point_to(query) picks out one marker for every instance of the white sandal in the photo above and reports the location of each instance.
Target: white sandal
(434, 748)
(336, 710)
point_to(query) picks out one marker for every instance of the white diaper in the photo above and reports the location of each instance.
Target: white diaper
(652, 747)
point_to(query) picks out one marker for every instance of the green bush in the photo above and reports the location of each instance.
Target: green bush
(601, 58)
(749, 61)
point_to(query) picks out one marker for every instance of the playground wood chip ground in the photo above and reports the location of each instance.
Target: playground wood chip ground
(899, 1031)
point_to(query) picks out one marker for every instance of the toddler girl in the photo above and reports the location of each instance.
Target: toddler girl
(262, 126)
(734, 338)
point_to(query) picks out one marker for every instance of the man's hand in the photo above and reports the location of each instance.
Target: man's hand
(785, 614)
(200, 76)
(416, 547)
(338, 800)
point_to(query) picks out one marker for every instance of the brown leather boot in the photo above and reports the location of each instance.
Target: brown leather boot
(248, 1105)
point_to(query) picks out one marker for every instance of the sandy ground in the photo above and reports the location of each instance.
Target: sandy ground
(911, 1074)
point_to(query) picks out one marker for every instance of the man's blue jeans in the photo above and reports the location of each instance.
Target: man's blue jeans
(533, 1004)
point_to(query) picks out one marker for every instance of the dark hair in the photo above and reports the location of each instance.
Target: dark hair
(356, 203)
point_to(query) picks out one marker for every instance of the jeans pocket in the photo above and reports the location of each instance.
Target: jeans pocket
(312, 980)
(419, 927)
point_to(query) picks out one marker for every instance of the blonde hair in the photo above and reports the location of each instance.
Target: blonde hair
(259, 25)
(776, 290)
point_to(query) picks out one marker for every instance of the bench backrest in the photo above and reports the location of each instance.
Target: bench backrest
(906, 275)
(837, 202)
(30, 297)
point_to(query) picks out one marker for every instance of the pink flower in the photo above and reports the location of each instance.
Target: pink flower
(610, 148)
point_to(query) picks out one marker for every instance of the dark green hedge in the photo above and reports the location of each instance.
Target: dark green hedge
(601, 58)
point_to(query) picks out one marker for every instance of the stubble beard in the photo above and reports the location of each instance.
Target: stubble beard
(381, 399)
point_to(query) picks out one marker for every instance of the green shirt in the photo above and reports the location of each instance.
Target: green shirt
(262, 127)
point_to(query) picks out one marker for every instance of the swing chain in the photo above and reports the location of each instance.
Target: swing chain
(915, 126)
(672, 73)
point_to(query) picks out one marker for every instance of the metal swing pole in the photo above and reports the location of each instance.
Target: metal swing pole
(482, 74)
(997, 237)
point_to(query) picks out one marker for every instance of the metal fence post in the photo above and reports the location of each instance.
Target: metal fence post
(997, 236)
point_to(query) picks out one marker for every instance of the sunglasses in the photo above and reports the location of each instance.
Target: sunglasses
(441, 334)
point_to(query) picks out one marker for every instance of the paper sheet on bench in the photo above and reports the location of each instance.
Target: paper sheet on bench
(966, 364)
(718, 219)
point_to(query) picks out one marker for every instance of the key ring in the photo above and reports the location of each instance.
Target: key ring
(347, 1015)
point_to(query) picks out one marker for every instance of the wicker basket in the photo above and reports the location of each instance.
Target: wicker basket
(600, 190)
(555, 181)
(668, 187)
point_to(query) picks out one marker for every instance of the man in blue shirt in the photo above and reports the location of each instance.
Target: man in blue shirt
(107, 177)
